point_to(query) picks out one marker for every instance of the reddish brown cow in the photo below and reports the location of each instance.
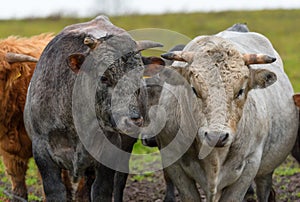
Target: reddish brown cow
(296, 148)
(15, 74)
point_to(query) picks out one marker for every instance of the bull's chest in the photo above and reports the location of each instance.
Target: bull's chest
(213, 173)
(69, 153)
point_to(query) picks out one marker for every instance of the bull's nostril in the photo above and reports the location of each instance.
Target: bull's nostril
(226, 136)
(224, 139)
(138, 121)
(135, 116)
(205, 134)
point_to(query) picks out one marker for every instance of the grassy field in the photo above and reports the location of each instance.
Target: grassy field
(280, 26)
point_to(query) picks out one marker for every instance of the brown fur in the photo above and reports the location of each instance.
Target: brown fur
(296, 148)
(15, 145)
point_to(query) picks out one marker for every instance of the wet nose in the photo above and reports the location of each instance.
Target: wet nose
(216, 138)
(137, 119)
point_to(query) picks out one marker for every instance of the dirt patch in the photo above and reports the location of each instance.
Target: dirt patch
(151, 187)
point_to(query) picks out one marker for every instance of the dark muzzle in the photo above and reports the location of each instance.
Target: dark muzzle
(137, 119)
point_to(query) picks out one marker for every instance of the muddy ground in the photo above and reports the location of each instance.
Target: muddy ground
(151, 187)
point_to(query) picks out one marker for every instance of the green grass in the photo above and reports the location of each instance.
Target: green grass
(144, 160)
(33, 183)
(287, 171)
(290, 168)
(280, 26)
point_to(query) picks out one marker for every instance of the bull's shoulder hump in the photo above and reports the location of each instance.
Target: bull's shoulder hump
(98, 27)
(249, 42)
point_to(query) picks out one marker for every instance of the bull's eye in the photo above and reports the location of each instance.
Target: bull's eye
(138, 91)
(240, 93)
(194, 90)
(104, 80)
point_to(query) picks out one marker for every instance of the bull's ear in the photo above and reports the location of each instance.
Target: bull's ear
(296, 98)
(261, 78)
(153, 65)
(75, 61)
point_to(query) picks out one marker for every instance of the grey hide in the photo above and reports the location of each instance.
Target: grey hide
(71, 114)
(263, 137)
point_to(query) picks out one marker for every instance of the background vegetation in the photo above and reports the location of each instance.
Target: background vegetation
(280, 26)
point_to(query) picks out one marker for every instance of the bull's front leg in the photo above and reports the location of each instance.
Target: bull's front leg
(237, 190)
(170, 189)
(186, 186)
(16, 169)
(54, 188)
(121, 177)
(102, 188)
(83, 192)
(15, 149)
(264, 190)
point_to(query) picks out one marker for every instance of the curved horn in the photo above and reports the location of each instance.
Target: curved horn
(16, 57)
(145, 44)
(185, 56)
(257, 59)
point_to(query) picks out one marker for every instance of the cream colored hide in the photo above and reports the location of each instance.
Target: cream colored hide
(232, 122)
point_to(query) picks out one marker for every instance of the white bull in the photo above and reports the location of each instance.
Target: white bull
(237, 124)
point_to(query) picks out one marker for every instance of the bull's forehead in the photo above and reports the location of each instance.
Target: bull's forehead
(217, 60)
(116, 47)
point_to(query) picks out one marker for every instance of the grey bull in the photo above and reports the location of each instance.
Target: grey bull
(228, 116)
(87, 92)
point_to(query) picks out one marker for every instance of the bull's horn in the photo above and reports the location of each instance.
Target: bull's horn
(16, 57)
(145, 44)
(185, 56)
(257, 59)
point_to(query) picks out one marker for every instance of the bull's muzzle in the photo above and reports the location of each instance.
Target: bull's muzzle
(215, 138)
(130, 125)
(138, 121)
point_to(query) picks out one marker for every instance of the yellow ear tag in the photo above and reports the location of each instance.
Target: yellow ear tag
(146, 77)
(18, 75)
(9, 83)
